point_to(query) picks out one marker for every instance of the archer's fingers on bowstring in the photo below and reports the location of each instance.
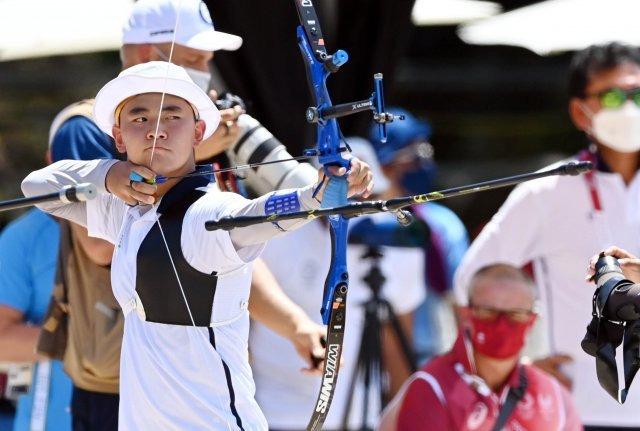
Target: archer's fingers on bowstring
(142, 189)
(141, 197)
(119, 184)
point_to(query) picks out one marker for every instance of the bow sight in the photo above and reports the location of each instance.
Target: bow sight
(320, 64)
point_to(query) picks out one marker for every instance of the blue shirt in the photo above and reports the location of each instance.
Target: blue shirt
(79, 138)
(28, 255)
(449, 236)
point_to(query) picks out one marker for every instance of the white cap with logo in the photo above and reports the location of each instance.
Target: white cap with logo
(153, 21)
(153, 77)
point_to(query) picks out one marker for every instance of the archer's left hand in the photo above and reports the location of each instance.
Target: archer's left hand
(359, 177)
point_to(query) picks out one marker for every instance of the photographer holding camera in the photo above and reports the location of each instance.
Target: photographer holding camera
(616, 318)
(555, 224)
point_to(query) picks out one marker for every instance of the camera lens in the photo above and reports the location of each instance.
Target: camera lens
(606, 265)
(256, 144)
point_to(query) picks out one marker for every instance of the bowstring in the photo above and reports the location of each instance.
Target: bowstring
(164, 239)
(166, 77)
(155, 139)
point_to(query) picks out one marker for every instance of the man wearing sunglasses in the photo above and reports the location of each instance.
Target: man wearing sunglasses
(556, 223)
(480, 383)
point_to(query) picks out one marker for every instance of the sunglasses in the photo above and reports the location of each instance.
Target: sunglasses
(615, 97)
(516, 315)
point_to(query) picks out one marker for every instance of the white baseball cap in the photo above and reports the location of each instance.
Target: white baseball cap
(362, 149)
(153, 77)
(153, 21)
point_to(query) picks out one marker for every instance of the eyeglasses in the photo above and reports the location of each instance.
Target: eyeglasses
(615, 97)
(516, 315)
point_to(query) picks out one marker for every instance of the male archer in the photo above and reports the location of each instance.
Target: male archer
(184, 361)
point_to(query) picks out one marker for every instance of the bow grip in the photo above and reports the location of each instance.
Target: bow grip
(337, 282)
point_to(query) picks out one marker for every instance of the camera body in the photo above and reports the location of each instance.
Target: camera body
(616, 298)
(229, 100)
(615, 321)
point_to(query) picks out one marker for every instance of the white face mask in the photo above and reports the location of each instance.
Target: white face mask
(200, 78)
(618, 129)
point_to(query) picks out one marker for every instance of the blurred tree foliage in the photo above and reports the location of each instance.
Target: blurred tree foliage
(495, 111)
(32, 92)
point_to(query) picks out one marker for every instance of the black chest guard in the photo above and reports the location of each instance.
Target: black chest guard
(156, 282)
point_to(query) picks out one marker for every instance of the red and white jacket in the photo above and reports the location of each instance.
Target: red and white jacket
(445, 395)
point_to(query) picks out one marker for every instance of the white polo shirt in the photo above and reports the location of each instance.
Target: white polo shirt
(175, 377)
(287, 396)
(552, 223)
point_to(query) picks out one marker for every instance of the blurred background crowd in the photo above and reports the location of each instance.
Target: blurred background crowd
(484, 89)
(496, 108)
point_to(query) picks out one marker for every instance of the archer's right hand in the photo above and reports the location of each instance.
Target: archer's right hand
(133, 193)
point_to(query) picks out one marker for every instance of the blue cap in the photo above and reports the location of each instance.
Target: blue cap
(79, 138)
(400, 134)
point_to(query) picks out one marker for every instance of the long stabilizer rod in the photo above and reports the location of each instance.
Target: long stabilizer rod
(357, 209)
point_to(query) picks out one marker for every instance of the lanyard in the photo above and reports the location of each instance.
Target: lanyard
(589, 177)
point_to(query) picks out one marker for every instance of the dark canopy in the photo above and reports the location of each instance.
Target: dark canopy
(268, 70)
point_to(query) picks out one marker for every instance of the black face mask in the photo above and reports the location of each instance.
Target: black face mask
(420, 179)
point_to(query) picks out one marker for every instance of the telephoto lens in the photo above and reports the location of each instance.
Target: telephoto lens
(255, 144)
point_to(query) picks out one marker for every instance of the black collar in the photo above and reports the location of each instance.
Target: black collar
(177, 192)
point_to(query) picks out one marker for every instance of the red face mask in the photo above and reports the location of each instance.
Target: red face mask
(501, 338)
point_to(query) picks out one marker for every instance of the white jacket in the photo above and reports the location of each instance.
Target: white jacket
(552, 223)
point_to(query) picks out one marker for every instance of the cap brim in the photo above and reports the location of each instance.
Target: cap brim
(123, 87)
(213, 41)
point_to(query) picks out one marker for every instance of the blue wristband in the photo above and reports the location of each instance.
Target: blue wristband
(282, 204)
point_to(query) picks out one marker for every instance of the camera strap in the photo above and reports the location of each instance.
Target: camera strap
(513, 397)
(589, 177)
(601, 341)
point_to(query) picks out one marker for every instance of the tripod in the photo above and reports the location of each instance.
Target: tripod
(370, 365)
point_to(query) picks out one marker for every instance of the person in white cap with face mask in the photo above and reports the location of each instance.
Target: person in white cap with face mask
(148, 35)
(183, 290)
(557, 223)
